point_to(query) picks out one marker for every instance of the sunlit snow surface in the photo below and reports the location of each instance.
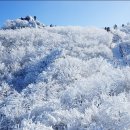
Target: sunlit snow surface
(65, 78)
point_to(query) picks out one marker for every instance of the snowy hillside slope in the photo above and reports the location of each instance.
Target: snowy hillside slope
(64, 78)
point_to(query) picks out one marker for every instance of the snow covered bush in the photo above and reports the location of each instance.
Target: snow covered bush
(63, 78)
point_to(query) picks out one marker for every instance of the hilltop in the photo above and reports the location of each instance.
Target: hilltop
(65, 78)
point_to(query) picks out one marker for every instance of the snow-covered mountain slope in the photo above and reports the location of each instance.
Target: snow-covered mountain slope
(64, 78)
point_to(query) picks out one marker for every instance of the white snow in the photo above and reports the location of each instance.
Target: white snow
(18, 23)
(64, 78)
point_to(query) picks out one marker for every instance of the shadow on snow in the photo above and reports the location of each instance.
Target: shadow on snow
(22, 78)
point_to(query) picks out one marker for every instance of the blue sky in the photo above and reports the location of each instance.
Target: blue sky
(84, 13)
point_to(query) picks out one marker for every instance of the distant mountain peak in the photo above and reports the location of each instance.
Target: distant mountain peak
(23, 22)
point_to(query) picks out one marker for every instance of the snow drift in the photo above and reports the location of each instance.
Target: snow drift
(64, 78)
